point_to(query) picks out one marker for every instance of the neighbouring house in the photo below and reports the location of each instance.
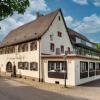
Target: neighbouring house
(47, 50)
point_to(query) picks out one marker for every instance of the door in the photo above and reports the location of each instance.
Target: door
(14, 71)
(9, 67)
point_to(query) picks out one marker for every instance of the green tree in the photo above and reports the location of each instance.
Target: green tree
(8, 7)
(98, 45)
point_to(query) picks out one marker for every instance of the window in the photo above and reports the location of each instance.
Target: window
(34, 66)
(20, 65)
(91, 69)
(25, 47)
(52, 66)
(51, 37)
(25, 65)
(52, 47)
(56, 66)
(33, 46)
(83, 67)
(6, 50)
(62, 49)
(59, 34)
(91, 66)
(83, 70)
(57, 69)
(12, 49)
(63, 64)
(59, 18)
(97, 68)
(20, 48)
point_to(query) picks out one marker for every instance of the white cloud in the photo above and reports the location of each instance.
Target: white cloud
(85, 2)
(97, 3)
(81, 2)
(38, 5)
(90, 24)
(69, 20)
(16, 20)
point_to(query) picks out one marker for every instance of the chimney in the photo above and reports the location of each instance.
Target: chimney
(38, 14)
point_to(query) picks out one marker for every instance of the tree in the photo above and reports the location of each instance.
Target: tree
(8, 7)
(98, 45)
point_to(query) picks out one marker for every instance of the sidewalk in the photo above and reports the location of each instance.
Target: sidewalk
(87, 92)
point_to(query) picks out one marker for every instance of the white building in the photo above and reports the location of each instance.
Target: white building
(37, 50)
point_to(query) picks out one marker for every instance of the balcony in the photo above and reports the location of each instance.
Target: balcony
(85, 54)
(86, 43)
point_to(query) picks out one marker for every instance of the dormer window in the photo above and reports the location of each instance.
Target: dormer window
(59, 34)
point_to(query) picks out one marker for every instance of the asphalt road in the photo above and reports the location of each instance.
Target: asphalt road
(11, 90)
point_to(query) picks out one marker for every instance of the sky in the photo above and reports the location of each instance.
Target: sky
(80, 15)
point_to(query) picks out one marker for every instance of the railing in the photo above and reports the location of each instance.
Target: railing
(86, 55)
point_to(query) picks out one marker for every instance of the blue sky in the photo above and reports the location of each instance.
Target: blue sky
(80, 15)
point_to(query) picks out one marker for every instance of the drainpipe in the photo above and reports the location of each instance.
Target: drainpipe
(39, 62)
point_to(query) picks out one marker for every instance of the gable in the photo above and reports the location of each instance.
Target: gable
(56, 26)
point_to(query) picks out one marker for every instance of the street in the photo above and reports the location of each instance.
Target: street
(12, 90)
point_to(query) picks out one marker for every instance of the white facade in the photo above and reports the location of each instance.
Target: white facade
(73, 70)
(57, 26)
(79, 81)
(70, 80)
(29, 56)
